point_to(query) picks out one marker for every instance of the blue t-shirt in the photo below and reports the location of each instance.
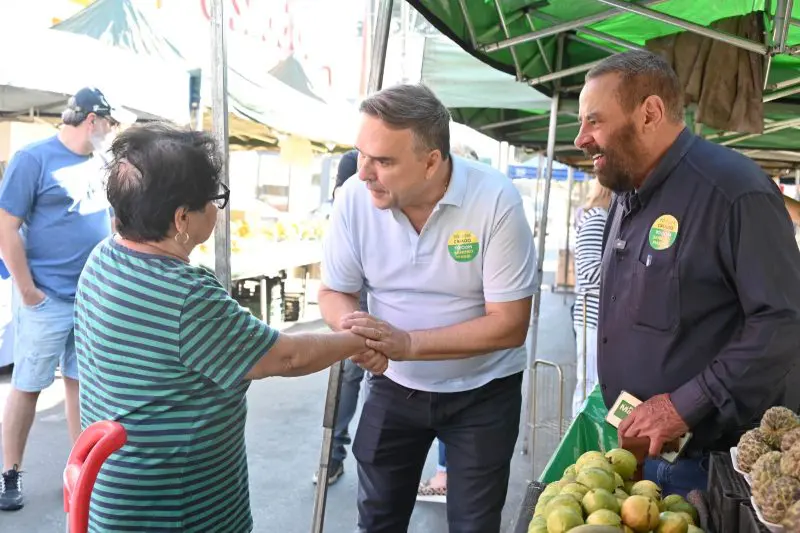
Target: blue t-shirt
(59, 196)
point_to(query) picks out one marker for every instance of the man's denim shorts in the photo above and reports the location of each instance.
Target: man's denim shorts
(44, 339)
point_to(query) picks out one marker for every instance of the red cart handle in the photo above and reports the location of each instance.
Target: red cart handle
(93, 447)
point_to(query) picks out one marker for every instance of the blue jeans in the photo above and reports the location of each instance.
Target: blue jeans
(442, 465)
(685, 475)
(348, 401)
(44, 339)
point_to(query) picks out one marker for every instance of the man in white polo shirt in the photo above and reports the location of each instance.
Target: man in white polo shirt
(446, 254)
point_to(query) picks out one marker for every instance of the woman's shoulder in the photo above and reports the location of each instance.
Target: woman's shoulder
(596, 212)
(594, 216)
(177, 278)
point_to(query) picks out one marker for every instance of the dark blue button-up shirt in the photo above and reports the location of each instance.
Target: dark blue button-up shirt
(700, 294)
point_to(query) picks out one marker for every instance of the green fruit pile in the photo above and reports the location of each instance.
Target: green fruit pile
(770, 454)
(598, 491)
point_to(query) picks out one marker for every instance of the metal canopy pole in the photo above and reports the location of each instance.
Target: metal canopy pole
(780, 94)
(587, 42)
(782, 156)
(558, 28)
(380, 44)
(782, 84)
(558, 74)
(513, 121)
(783, 14)
(752, 46)
(544, 128)
(775, 126)
(491, 30)
(219, 121)
(542, 53)
(769, 39)
(778, 23)
(540, 253)
(768, 125)
(470, 28)
(377, 63)
(504, 25)
(539, 174)
(592, 33)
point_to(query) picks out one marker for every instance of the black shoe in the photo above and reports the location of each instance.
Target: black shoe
(335, 471)
(11, 490)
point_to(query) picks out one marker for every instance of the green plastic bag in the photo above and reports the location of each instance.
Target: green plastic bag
(589, 431)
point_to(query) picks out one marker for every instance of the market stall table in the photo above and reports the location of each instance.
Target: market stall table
(266, 263)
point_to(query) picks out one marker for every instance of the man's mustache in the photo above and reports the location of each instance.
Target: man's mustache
(593, 150)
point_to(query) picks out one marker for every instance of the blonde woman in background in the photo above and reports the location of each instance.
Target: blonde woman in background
(591, 222)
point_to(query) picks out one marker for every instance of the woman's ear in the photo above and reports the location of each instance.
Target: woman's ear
(181, 219)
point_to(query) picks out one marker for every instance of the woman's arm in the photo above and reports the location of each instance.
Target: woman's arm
(227, 344)
(305, 353)
(589, 249)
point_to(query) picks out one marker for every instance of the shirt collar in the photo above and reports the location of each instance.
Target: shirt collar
(457, 189)
(664, 168)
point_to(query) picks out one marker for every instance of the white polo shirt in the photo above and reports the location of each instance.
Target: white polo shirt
(476, 247)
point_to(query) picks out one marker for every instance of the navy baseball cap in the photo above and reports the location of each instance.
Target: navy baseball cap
(92, 100)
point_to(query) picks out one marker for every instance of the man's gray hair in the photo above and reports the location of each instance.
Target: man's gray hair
(72, 117)
(643, 74)
(416, 108)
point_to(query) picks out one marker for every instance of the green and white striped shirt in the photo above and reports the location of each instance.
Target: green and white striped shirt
(163, 349)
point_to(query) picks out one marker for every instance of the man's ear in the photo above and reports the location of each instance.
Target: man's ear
(655, 112)
(432, 162)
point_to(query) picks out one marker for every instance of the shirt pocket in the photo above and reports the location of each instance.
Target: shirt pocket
(656, 295)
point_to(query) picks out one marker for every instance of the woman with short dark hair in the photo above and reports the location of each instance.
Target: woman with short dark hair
(164, 350)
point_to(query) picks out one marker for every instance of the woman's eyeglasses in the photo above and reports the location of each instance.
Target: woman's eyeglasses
(221, 200)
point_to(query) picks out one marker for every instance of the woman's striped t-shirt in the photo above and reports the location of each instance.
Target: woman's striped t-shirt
(163, 349)
(588, 259)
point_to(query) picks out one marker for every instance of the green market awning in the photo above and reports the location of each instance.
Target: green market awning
(521, 38)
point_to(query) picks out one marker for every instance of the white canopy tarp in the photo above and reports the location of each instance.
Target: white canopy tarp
(460, 80)
(42, 68)
(253, 93)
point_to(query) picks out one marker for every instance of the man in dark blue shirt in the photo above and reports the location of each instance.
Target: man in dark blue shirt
(700, 296)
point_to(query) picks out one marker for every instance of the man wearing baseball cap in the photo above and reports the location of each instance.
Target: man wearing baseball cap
(53, 212)
(92, 100)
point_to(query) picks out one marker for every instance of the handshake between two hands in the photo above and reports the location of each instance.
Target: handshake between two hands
(383, 341)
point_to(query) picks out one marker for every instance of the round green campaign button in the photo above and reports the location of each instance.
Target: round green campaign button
(463, 246)
(663, 232)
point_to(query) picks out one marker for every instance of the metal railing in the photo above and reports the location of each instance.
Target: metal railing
(533, 424)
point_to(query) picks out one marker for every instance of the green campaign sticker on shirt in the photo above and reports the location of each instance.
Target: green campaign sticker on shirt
(663, 232)
(463, 246)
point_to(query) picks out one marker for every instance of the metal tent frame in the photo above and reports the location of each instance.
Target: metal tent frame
(536, 70)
